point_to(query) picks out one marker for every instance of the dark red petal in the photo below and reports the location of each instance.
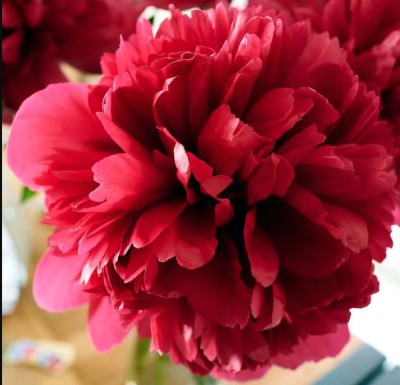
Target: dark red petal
(304, 247)
(225, 302)
(267, 306)
(264, 261)
(195, 237)
(314, 348)
(272, 176)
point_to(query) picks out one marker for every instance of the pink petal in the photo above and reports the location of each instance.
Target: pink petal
(242, 376)
(105, 324)
(57, 112)
(56, 286)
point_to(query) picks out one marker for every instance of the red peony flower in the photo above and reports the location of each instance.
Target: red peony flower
(38, 34)
(373, 52)
(225, 187)
(369, 31)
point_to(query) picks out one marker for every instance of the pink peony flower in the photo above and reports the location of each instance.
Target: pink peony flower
(225, 187)
(39, 34)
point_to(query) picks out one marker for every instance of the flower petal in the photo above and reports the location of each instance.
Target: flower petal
(57, 112)
(196, 240)
(314, 348)
(56, 284)
(106, 328)
(264, 261)
(271, 176)
(153, 221)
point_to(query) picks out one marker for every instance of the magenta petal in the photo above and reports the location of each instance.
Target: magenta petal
(56, 285)
(154, 221)
(105, 325)
(264, 260)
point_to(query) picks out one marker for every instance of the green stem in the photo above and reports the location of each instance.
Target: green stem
(138, 360)
(159, 369)
(204, 380)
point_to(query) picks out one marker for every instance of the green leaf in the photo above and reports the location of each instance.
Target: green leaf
(26, 194)
(204, 380)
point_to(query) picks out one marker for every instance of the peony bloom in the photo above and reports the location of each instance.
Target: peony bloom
(39, 34)
(225, 187)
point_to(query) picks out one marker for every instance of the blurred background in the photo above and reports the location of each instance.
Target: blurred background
(65, 335)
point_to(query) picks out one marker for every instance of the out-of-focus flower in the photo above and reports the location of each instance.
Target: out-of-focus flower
(38, 34)
(182, 4)
(369, 31)
(373, 51)
(226, 186)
